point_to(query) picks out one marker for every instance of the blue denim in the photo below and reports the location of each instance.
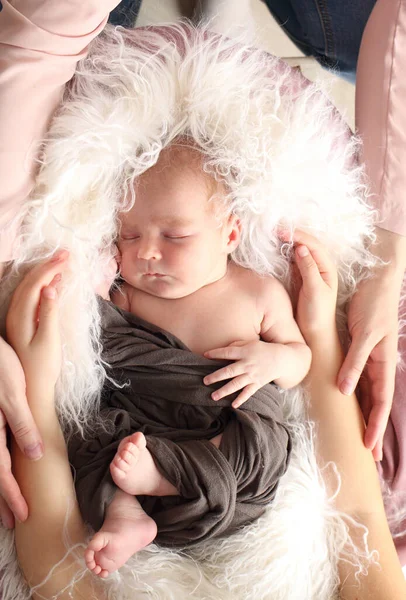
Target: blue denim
(125, 13)
(329, 30)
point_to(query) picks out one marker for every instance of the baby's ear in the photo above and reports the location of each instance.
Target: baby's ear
(234, 232)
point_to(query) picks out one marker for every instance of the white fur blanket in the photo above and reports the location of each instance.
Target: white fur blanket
(287, 157)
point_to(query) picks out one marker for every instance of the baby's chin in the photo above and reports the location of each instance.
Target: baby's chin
(165, 287)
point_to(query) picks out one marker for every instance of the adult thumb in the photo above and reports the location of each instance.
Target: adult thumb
(48, 311)
(354, 364)
(308, 269)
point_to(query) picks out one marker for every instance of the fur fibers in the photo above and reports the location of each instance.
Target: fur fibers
(288, 159)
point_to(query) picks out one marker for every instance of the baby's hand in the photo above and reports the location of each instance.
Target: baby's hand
(316, 306)
(256, 364)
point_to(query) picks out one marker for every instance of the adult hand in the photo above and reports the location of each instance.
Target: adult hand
(373, 326)
(316, 284)
(32, 325)
(14, 412)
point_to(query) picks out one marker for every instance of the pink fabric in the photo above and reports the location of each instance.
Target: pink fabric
(380, 110)
(393, 466)
(40, 44)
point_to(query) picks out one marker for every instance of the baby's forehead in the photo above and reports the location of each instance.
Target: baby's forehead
(176, 188)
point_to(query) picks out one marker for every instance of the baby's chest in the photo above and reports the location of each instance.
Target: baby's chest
(202, 326)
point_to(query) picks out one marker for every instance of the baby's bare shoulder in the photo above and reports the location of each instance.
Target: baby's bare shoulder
(262, 286)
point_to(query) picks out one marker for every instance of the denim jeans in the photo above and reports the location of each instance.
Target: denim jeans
(126, 13)
(329, 30)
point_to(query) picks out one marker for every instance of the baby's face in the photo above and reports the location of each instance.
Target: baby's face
(171, 243)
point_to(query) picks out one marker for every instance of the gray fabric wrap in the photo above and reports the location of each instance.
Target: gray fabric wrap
(221, 489)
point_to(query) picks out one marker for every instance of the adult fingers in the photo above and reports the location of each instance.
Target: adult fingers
(354, 363)
(10, 494)
(24, 303)
(382, 397)
(48, 311)
(6, 515)
(319, 253)
(308, 269)
(13, 501)
(23, 428)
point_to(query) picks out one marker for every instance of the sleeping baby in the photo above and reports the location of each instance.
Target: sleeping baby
(195, 442)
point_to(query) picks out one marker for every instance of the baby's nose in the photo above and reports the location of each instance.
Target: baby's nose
(147, 250)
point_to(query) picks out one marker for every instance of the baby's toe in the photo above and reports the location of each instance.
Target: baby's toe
(121, 464)
(97, 570)
(104, 574)
(138, 439)
(129, 453)
(91, 564)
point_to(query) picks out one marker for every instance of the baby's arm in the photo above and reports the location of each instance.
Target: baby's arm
(279, 328)
(281, 355)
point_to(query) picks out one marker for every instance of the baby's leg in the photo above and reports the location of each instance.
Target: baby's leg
(127, 527)
(134, 471)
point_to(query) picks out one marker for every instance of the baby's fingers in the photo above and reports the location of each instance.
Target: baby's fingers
(227, 372)
(233, 386)
(228, 353)
(245, 395)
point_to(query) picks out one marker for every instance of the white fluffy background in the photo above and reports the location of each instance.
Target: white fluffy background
(287, 157)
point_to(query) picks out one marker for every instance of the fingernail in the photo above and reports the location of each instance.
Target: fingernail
(302, 251)
(49, 292)
(34, 451)
(62, 254)
(347, 387)
(214, 396)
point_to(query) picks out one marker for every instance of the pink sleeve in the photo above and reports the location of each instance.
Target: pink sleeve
(381, 110)
(40, 44)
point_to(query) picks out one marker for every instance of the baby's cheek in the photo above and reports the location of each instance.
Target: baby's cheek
(109, 273)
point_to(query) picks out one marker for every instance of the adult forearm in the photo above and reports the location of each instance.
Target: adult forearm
(295, 361)
(340, 428)
(339, 438)
(48, 488)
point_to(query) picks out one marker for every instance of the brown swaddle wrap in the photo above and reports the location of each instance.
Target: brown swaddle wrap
(220, 489)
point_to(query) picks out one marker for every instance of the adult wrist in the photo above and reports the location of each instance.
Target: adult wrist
(391, 248)
(327, 352)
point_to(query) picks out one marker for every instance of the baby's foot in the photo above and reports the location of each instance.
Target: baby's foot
(126, 530)
(124, 469)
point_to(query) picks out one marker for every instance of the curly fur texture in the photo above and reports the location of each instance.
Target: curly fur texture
(287, 158)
